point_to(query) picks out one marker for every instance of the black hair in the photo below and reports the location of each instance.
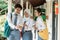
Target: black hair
(39, 10)
(18, 6)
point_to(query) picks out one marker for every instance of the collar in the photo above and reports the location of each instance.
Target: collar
(14, 14)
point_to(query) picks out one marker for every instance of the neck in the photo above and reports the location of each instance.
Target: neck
(39, 15)
(26, 17)
(16, 13)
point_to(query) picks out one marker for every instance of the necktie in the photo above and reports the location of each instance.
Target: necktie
(15, 20)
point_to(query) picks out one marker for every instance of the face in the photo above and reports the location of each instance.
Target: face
(36, 13)
(26, 14)
(17, 10)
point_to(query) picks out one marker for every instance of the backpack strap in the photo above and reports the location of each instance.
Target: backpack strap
(11, 16)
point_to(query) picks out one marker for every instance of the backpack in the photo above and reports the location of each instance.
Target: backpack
(7, 29)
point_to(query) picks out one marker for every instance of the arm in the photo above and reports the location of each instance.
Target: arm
(9, 21)
(41, 24)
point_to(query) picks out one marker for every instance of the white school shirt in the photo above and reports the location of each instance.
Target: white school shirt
(11, 23)
(40, 24)
(29, 23)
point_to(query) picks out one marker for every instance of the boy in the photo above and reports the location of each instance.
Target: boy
(15, 23)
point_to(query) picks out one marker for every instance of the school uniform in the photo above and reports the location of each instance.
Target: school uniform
(16, 20)
(28, 30)
(40, 25)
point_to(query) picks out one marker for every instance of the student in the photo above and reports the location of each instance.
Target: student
(39, 26)
(15, 23)
(28, 23)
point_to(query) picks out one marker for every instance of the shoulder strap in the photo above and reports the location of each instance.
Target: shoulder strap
(11, 16)
(44, 22)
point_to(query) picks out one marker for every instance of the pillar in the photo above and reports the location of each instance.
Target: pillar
(32, 10)
(9, 6)
(48, 8)
(49, 20)
(21, 2)
(58, 21)
(30, 6)
(26, 4)
(45, 5)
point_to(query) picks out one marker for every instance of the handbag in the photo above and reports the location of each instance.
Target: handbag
(44, 33)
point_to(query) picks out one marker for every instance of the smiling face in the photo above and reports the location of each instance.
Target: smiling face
(26, 14)
(36, 13)
(17, 10)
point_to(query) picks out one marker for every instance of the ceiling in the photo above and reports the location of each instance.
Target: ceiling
(33, 2)
(37, 2)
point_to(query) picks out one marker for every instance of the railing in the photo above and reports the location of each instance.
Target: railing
(4, 10)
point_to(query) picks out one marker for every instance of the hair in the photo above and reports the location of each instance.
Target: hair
(18, 6)
(39, 10)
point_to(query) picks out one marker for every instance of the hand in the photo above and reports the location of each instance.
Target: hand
(16, 27)
(20, 27)
(24, 25)
(35, 27)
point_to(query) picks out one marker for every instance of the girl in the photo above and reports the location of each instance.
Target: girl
(28, 23)
(39, 22)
